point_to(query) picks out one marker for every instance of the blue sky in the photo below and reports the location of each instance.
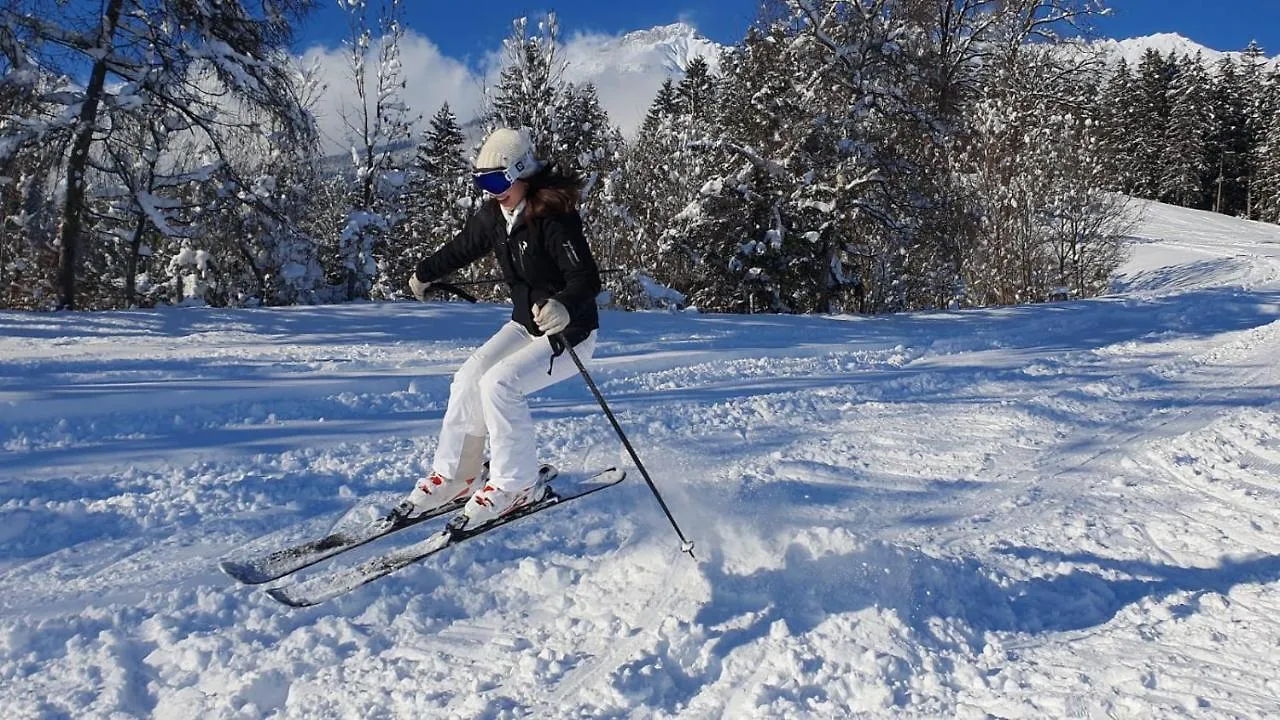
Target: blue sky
(1218, 24)
(468, 31)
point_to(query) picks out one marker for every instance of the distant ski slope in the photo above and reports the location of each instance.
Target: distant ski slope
(1060, 510)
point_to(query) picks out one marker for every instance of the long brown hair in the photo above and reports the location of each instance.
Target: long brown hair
(553, 192)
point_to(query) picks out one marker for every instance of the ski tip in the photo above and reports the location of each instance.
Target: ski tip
(610, 475)
(282, 596)
(241, 572)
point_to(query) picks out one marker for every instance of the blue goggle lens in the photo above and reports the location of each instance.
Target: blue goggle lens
(494, 182)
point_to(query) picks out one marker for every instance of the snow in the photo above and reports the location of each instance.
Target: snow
(1059, 510)
(657, 294)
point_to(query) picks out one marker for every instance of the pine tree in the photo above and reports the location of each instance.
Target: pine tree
(1258, 114)
(587, 143)
(696, 91)
(1186, 140)
(441, 195)
(648, 197)
(1230, 141)
(531, 84)
(1153, 87)
(661, 109)
(592, 148)
(440, 155)
(690, 178)
(1267, 182)
(733, 226)
(1117, 113)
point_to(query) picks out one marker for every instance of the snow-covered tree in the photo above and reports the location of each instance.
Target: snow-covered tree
(1267, 182)
(1115, 112)
(644, 200)
(592, 148)
(267, 237)
(202, 62)
(850, 154)
(29, 174)
(530, 85)
(680, 182)
(1154, 90)
(569, 127)
(147, 198)
(590, 145)
(441, 195)
(1028, 163)
(377, 125)
(1230, 142)
(1259, 111)
(1185, 146)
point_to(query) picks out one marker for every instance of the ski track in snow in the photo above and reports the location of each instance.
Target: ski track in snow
(1061, 510)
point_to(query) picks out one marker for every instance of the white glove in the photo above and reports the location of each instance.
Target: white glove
(551, 316)
(418, 287)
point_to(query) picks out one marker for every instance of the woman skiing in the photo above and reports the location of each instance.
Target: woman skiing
(530, 223)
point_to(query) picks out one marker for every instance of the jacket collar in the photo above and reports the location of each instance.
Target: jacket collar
(514, 217)
(499, 220)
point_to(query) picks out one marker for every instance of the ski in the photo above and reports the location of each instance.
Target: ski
(286, 561)
(320, 588)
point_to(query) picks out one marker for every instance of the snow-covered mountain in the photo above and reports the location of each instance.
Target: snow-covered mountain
(628, 69)
(665, 48)
(1132, 49)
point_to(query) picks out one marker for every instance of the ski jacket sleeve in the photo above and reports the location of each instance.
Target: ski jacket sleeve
(567, 245)
(467, 247)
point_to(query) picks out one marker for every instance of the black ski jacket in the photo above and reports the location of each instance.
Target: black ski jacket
(542, 258)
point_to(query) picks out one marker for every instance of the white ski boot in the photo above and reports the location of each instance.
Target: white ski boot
(491, 503)
(434, 492)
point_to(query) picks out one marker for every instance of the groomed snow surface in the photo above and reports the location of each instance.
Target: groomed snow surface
(1059, 510)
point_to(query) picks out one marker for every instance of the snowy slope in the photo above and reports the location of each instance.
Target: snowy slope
(1043, 511)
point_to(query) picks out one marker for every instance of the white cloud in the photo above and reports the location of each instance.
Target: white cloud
(431, 79)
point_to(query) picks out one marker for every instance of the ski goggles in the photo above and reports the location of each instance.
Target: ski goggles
(496, 181)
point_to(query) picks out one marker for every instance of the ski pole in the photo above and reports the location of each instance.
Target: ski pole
(685, 545)
(496, 280)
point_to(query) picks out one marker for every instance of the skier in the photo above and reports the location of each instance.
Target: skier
(530, 222)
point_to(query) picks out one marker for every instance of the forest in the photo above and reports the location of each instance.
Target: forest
(862, 156)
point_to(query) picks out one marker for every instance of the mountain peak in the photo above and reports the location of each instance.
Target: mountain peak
(1132, 49)
(628, 69)
(661, 33)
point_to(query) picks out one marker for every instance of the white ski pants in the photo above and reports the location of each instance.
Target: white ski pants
(488, 397)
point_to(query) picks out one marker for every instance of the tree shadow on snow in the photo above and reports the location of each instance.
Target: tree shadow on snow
(1095, 591)
(808, 589)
